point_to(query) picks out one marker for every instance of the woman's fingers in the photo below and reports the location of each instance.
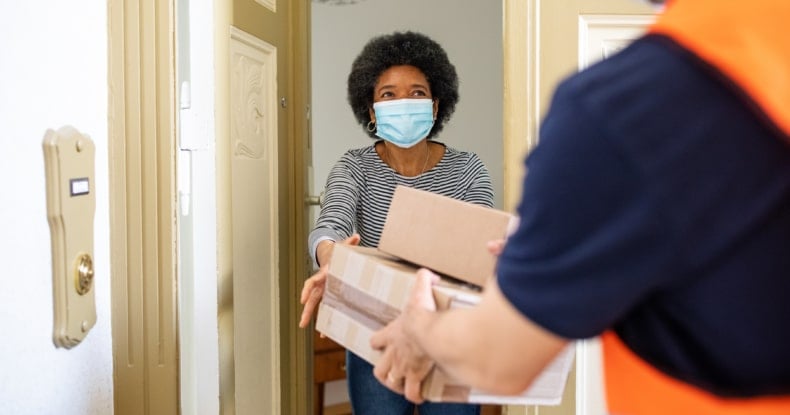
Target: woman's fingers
(318, 279)
(313, 288)
(310, 305)
(312, 292)
(307, 312)
(352, 240)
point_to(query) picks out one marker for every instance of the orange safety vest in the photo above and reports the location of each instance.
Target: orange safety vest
(748, 43)
(634, 387)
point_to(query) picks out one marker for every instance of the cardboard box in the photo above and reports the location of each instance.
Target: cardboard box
(547, 389)
(446, 235)
(366, 289)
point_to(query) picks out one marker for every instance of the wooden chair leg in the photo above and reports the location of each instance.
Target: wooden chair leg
(318, 406)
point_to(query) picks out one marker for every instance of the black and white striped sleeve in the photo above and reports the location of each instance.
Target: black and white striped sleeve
(338, 210)
(480, 190)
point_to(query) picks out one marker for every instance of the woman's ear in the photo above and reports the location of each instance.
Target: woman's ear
(373, 114)
(435, 108)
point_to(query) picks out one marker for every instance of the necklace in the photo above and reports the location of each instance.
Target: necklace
(395, 170)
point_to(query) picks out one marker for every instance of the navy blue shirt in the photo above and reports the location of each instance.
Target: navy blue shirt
(657, 203)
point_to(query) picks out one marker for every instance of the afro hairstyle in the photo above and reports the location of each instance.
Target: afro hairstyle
(402, 48)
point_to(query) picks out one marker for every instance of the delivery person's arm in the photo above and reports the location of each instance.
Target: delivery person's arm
(491, 347)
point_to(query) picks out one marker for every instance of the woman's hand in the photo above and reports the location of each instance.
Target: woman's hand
(496, 246)
(313, 288)
(312, 292)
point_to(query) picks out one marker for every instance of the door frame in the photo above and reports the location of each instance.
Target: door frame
(143, 203)
(143, 220)
(294, 343)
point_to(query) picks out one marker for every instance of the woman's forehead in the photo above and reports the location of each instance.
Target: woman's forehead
(400, 74)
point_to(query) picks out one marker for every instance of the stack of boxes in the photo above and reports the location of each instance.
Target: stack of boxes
(368, 287)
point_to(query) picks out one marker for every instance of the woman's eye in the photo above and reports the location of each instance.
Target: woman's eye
(418, 93)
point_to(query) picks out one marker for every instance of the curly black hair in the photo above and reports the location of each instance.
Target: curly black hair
(402, 48)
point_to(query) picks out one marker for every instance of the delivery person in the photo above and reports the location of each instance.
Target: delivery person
(656, 213)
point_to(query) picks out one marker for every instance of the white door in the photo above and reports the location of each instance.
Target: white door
(238, 108)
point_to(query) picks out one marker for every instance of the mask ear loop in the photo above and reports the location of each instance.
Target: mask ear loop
(371, 126)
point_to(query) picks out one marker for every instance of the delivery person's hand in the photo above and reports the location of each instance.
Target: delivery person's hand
(313, 288)
(404, 363)
(496, 246)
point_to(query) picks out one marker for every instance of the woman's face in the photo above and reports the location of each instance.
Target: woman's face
(401, 81)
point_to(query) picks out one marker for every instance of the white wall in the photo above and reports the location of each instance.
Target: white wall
(53, 72)
(471, 33)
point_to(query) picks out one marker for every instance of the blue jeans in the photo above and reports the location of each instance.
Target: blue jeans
(369, 397)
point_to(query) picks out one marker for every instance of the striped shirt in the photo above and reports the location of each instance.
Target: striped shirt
(360, 186)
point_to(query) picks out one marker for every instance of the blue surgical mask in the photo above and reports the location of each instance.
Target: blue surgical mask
(404, 122)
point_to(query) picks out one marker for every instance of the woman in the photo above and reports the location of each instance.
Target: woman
(402, 89)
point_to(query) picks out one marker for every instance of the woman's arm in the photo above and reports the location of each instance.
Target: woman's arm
(336, 219)
(335, 223)
(481, 190)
